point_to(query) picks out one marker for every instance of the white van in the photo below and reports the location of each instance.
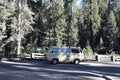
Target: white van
(65, 54)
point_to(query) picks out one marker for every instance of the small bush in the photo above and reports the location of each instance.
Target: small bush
(88, 51)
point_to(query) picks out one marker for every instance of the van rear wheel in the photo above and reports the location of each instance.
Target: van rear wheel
(76, 61)
(55, 61)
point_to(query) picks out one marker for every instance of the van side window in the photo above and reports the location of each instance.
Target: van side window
(54, 50)
(67, 51)
(62, 50)
(75, 50)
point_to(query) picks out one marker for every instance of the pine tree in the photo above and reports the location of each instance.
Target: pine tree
(109, 25)
(71, 30)
(103, 5)
(117, 15)
(6, 10)
(21, 22)
(92, 18)
(112, 32)
(37, 36)
(60, 24)
(53, 25)
(2, 18)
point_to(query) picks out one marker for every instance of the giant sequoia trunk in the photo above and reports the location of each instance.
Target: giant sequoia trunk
(91, 37)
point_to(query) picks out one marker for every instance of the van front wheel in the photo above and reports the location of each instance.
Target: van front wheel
(55, 61)
(76, 61)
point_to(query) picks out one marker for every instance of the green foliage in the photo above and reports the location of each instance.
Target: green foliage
(87, 50)
(94, 17)
(6, 11)
(59, 23)
(26, 20)
(30, 48)
(17, 20)
(71, 30)
(92, 20)
(100, 45)
(112, 29)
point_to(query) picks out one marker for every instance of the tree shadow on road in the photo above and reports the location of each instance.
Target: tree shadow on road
(44, 71)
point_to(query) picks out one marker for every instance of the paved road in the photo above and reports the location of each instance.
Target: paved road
(39, 70)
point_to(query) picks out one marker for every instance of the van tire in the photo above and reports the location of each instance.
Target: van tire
(55, 61)
(76, 61)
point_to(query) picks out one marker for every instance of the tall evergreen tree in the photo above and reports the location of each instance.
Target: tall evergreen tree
(21, 22)
(82, 24)
(71, 31)
(6, 10)
(3, 17)
(60, 23)
(93, 20)
(103, 7)
(112, 28)
(117, 14)
(37, 36)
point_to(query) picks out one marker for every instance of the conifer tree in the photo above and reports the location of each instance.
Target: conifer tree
(71, 30)
(112, 31)
(21, 22)
(60, 24)
(92, 18)
(6, 10)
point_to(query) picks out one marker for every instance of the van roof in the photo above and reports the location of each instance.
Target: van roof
(64, 47)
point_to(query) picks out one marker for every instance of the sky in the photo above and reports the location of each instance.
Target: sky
(78, 2)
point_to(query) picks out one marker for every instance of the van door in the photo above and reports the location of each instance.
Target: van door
(53, 53)
(75, 54)
(67, 53)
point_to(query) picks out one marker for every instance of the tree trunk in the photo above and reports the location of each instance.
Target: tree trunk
(19, 44)
(19, 26)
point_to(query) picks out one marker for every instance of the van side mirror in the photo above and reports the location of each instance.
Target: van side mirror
(51, 51)
(46, 48)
